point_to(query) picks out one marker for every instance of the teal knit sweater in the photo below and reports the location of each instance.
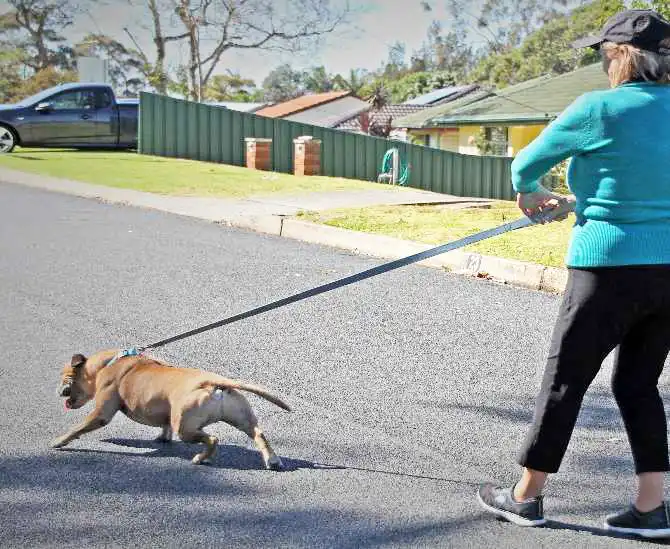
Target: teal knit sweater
(619, 141)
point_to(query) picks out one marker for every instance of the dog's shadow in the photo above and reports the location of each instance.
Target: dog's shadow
(228, 456)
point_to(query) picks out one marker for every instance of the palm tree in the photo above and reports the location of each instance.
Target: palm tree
(379, 97)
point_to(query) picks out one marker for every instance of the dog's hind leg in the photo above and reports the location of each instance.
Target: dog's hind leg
(271, 459)
(188, 426)
(237, 412)
(210, 445)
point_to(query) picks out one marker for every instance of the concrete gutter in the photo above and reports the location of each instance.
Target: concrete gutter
(232, 214)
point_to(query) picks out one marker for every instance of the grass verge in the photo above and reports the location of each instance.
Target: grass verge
(128, 170)
(430, 224)
(543, 244)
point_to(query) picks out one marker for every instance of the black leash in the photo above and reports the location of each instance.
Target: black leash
(564, 208)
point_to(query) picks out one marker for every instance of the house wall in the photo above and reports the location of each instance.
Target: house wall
(438, 138)
(520, 136)
(466, 139)
(462, 139)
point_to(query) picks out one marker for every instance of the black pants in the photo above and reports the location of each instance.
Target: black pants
(603, 308)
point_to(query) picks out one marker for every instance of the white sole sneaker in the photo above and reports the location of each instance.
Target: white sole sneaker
(656, 533)
(509, 516)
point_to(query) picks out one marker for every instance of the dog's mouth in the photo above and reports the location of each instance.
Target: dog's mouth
(71, 404)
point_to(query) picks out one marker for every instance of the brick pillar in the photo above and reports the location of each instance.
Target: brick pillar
(259, 153)
(307, 157)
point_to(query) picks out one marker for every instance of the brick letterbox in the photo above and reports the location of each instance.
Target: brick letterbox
(307, 157)
(259, 153)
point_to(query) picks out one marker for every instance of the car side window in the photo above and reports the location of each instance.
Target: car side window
(103, 99)
(79, 99)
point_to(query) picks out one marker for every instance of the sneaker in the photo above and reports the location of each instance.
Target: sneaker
(653, 524)
(501, 503)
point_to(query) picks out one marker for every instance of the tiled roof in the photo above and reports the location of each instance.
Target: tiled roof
(537, 100)
(300, 104)
(379, 116)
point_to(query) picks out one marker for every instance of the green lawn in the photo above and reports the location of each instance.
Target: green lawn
(544, 244)
(128, 170)
(431, 224)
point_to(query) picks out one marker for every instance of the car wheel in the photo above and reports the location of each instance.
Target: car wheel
(7, 140)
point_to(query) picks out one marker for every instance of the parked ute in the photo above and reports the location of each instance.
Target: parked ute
(70, 115)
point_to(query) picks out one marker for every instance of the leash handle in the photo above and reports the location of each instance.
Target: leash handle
(547, 216)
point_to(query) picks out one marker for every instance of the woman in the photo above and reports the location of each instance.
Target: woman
(618, 291)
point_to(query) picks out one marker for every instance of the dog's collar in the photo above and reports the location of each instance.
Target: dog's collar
(126, 352)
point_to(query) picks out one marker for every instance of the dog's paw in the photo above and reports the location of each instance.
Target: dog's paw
(198, 459)
(163, 439)
(59, 442)
(274, 464)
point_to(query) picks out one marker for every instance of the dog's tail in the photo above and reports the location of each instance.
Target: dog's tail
(225, 383)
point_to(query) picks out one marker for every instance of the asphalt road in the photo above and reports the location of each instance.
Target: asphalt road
(409, 389)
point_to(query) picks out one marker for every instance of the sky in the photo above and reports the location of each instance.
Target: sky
(377, 24)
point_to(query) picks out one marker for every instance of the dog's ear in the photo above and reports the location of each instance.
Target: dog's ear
(78, 361)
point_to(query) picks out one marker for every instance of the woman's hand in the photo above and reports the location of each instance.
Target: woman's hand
(542, 201)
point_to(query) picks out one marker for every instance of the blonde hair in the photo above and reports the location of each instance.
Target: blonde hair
(628, 63)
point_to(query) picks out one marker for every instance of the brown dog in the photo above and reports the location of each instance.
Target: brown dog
(179, 400)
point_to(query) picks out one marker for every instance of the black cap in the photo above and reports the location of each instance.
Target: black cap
(644, 29)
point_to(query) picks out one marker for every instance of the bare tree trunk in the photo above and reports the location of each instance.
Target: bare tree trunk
(160, 76)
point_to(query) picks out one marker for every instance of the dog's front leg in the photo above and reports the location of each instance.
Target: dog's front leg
(98, 418)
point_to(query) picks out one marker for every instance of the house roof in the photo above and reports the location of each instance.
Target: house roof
(238, 105)
(424, 117)
(280, 110)
(537, 100)
(442, 95)
(328, 115)
(381, 116)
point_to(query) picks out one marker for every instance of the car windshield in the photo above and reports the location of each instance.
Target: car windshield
(34, 99)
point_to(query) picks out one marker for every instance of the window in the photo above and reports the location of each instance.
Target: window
(80, 99)
(103, 99)
(498, 140)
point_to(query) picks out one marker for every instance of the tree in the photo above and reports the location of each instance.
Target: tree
(41, 80)
(503, 24)
(379, 96)
(211, 28)
(35, 27)
(318, 80)
(127, 69)
(418, 83)
(11, 63)
(395, 64)
(283, 83)
(355, 83)
(156, 71)
(231, 87)
(661, 6)
(548, 50)
(33, 52)
(444, 51)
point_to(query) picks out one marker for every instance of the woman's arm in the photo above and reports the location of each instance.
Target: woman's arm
(566, 136)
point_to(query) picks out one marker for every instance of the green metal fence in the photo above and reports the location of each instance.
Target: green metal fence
(182, 129)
